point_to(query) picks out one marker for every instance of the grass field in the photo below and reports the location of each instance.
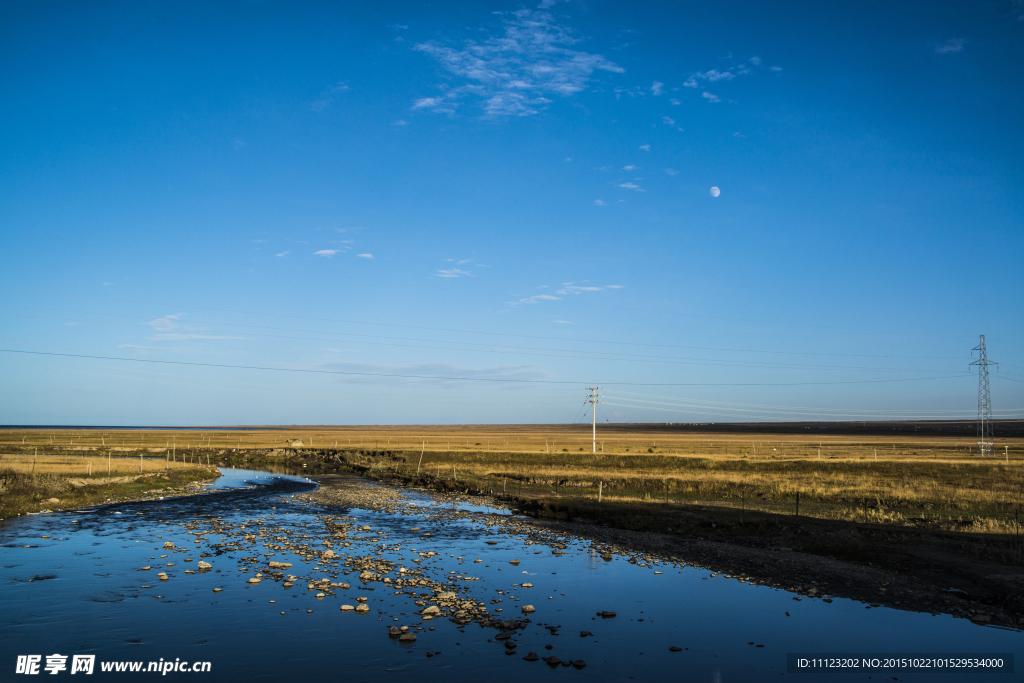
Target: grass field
(906, 479)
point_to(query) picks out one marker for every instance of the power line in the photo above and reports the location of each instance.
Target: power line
(440, 329)
(744, 407)
(512, 350)
(469, 379)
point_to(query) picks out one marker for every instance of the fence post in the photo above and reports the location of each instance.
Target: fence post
(600, 487)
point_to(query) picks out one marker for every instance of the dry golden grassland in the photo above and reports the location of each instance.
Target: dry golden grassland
(81, 465)
(904, 479)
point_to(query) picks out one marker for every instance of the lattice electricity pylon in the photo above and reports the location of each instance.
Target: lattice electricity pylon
(985, 436)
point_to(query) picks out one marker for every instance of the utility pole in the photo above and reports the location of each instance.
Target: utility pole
(593, 398)
(984, 399)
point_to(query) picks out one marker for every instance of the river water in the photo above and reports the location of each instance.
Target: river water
(71, 584)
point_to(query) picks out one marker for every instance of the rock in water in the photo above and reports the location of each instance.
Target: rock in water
(433, 610)
(254, 580)
(407, 638)
(347, 608)
(279, 565)
(528, 608)
(204, 565)
(394, 631)
(579, 664)
(531, 657)
(675, 649)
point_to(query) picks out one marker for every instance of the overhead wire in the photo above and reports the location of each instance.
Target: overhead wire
(459, 331)
(524, 351)
(467, 379)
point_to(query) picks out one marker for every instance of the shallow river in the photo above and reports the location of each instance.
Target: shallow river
(71, 584)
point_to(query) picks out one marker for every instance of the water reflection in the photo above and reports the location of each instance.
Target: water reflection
(82, 591)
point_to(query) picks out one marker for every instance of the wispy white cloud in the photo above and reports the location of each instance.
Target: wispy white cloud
(146, 349)
(168, 328)
(326, 253)
(179, 336)
(562, 322)
(646, 148)
(283, 253)
(571, 288)
(514, 74)
(433, 374)
(600, 202)
(951, 45)
(400, 122)
(535, 299)
(699, 79)
(669, 120)
(671, 171)
(328, 96)
(630, 168)
(454, 272)
(631, 186)
(712, 76)
(674, 102)
(657, 88)
(166, 323)
(365, 255)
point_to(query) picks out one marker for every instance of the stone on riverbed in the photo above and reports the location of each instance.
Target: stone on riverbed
(361, 608)
(433, 610)
(528, 608)
(204, 565)
(279, 565)
(347, 608)
(254, 580)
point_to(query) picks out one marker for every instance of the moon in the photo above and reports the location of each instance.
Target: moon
(715, 192)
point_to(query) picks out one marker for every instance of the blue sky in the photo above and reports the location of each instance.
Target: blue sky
(392, 212)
